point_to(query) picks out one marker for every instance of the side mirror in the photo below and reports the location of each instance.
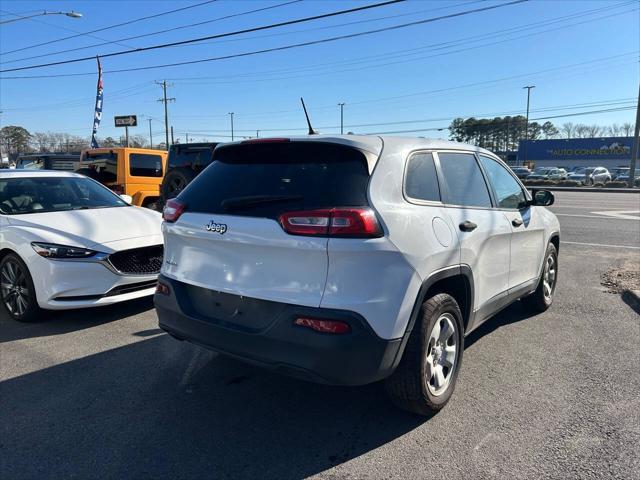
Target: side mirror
(127, 198)
(543, 198)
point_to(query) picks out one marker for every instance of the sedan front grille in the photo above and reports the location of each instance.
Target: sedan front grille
(138, 261)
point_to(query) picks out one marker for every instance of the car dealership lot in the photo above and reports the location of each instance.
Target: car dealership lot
(104, 393)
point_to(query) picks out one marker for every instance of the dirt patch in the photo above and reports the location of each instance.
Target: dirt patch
(618, 280)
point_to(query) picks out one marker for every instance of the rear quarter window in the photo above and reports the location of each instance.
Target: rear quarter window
(196, 157)
(421, 180)
(145, 165)
(265, 180)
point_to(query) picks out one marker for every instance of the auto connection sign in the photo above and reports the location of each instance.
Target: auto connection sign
(607, 148)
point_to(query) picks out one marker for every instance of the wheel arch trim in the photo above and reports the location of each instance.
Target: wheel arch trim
(463, 271)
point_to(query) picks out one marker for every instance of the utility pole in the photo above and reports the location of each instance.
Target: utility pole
(341, 105)
(166, 100)
(257, 133)
(634, 152)
(171, 137)
(150, 135)
(526, 128)
(186, 138)
(231, 115)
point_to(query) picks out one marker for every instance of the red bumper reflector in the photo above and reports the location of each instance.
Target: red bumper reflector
(162, 289)
(323, 326)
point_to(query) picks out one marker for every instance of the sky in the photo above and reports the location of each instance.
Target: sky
(580, 55)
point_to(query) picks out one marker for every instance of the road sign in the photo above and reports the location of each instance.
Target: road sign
(126, 121)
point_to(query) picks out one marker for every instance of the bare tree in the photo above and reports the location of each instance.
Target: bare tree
(594, 131)
(627, 129)
(40, 140)
(614, 130)
(581, 131)
(568, 129)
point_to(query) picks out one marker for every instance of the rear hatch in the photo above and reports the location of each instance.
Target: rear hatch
(229, 237)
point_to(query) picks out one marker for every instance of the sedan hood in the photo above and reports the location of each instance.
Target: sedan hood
(88, 228)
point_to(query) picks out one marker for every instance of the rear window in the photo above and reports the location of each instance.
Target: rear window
(145, 165)
(264, 180)
(102, 167)
(192, 156)
(31, 163)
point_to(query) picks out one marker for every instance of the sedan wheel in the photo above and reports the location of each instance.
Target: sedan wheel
(16, 290)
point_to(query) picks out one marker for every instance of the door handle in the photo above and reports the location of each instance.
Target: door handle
(467, 226)
(516, 222)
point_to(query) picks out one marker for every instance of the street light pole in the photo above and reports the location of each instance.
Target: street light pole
(526, 127)
(341, 118)
(71, 14)
(150, 135)
(231, 115)
(636, 146)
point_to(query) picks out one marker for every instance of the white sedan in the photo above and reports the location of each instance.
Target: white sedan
(67, 241)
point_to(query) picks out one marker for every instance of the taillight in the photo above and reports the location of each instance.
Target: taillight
(334, 222)
(117, 188)
(162, 289)
(172, 210)
(323, 326)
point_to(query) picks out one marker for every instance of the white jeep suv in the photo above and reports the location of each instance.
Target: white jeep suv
(352, 259)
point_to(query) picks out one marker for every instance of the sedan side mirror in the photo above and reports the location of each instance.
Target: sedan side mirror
(127, 198)
(543, 198)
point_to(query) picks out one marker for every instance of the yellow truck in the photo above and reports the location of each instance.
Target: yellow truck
(136, 172)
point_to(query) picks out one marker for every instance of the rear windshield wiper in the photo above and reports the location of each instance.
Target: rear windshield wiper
(254, 200)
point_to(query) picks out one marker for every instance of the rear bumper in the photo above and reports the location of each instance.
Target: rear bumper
(356, 358)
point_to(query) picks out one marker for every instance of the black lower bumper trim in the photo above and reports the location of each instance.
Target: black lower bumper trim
(356, 358)
(119, 290)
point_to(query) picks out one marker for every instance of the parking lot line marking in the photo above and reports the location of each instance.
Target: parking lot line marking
(587, 216)
(601, 245)
(623, 214)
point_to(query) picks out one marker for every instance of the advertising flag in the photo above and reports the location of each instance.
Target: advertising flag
(97, 115)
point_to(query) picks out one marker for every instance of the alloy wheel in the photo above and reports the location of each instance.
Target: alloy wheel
(441, 358)
(549, 278)
(14, 289)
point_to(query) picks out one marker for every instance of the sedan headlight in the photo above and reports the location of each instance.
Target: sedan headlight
(52, 250)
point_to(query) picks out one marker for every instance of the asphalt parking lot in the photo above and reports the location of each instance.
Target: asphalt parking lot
(105, 394)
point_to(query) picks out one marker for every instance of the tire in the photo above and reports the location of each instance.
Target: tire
(174, 182)
(152, 204)
(540, 300)
(17, 293)
(414, 384)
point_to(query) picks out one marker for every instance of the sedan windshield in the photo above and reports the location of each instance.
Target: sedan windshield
(54, 194)
(580, 171)
(542, 171)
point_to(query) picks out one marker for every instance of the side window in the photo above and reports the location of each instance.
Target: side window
(508, 191)
(143, 165)
(464, 182)
(421, 180)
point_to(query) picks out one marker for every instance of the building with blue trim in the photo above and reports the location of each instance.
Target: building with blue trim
(608, 152)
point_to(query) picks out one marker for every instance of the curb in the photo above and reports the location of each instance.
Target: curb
(582, 189)
(632, 298)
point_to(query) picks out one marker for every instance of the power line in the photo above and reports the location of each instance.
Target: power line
(576, 114)
(480, 116)
(62, 27)
(394, 55)
(107, 42)
(219, 35)
(286, 47)
(129, 22)
(412, 51)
